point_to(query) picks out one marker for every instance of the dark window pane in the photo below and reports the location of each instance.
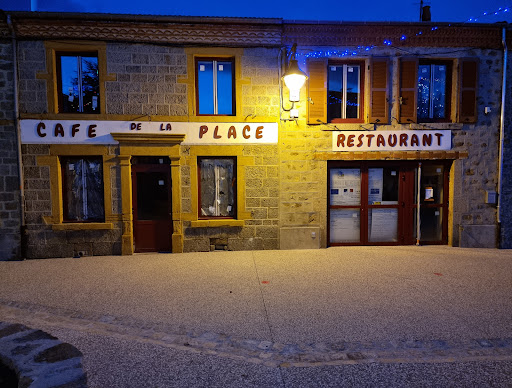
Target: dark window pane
(352, 110)
(383, 186)
(431, 224)
(217, 180)
(90, 84)
(335, 93)
(69, 83)
(224, 88)
(439, 91)
(423, 91)
(205, 86)
(83, 189)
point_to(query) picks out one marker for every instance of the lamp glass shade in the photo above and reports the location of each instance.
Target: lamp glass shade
(294, 78)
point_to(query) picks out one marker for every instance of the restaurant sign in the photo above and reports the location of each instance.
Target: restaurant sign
(410, 140)
(99, 132)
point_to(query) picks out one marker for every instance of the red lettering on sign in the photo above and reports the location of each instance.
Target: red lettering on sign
(232, 132)
(202, 130)
(403, 139)
(74, 129)
(439, 136)
(341, 140)
(59, 130)
(380, 141)
(427, 140)
(360, 140)
(392, 139)
(39, 127)
(414, 140)
(244, 132)
(215, 135)
(259, 133)
(91, 132)
(350, 140)
(369, 137)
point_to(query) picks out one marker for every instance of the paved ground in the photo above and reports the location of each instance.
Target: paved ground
(345, 316)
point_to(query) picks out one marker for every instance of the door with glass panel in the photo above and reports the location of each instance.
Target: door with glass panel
(433, 197)
(375, 203)
(364, 204)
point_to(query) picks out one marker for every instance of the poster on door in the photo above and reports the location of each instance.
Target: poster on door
(375, 185)
(345, 186)
(345, 225)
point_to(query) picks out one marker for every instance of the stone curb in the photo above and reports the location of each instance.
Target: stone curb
(39, 359)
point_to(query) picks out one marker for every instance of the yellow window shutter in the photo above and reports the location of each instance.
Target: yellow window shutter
(468, 83)
(317, 90)
(408, 90)
(379, 102)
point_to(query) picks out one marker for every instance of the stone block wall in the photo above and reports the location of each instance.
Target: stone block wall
(260, 96)
(32, 91)
(10, 222)
(146, 80)
(261, 199)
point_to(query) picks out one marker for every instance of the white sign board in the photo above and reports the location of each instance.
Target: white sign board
(411, 140)
(98, 132)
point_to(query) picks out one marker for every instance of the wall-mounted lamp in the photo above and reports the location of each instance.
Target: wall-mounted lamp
(294, 78)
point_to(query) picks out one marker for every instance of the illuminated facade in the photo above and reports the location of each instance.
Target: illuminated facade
(173, 134)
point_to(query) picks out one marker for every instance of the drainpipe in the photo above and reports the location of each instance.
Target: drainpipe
(18, 130)
(418, 209)
(502, 131)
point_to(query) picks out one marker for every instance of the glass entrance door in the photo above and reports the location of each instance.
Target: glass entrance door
(376, 203)
(433, 203)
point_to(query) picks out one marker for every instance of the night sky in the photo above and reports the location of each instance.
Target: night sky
(338, 10)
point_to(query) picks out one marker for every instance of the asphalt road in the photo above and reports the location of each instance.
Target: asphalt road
(347, 316)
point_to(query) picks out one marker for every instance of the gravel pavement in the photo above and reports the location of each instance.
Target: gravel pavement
(412, 316)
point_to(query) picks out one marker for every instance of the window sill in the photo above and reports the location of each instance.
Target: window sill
(215, 223)
(84, 226)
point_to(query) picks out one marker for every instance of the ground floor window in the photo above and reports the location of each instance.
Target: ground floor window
(377, 202)
(217, 187)
(82, 189)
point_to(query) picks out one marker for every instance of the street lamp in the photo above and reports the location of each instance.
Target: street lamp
(294, 78)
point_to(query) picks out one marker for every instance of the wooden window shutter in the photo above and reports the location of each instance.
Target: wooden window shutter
(408, 90)
(379, 105)
(468, 83)
(317, 90)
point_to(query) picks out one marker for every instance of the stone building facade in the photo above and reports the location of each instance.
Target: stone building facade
(251, 178)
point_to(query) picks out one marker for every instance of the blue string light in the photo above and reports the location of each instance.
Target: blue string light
(493, 13)
(386, 42)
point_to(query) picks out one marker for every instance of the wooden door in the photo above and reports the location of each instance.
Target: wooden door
(152, 208)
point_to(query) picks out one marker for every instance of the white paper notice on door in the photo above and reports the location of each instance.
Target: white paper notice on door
(345, 186)
(383, 225)
(375, 185)
(345, 225)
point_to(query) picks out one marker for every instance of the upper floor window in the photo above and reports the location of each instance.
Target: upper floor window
(215, 86)
(78, 82)
(434, 91)
(82, 189)
(217, 187)
(425, 90)
(345, 92)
